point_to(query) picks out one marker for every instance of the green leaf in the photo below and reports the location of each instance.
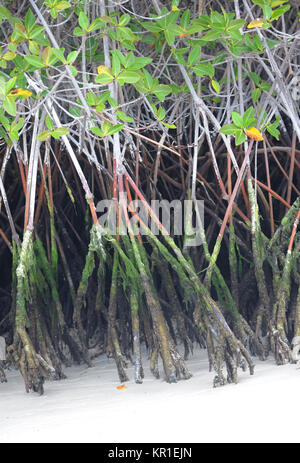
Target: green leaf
(10, 106)
(124, 20)
(170, 36)
(194, 56)
(228, 129)
(175, 89)
(128, 45)
(62, 5)
(103, 97)
(185, 19)
(212, 35)
(83, 21)
(42, 40)
(14, 135)
(256, 79)
(130, 77)
(236, 24)
(100, 107)
(130, 58)
(19, 31)
(4, 13)
(161, 91)
(123, 117)
(116, 65)
(255, 95)
(112, 101)
(97, 24)
(149, 80)
(205, 69)
(120, 56)
(59, 132)
(10, 84)
(248, 117)
(73, 70)
(215, 85)
(48, 122)
(72, 56)
(199, 24)
(104, 79)
(125, 33)
(18, 125)
(152, 26)
(33, 47)
(237, 119)
(43, 136)
(273, 131)
(236, 36)
(97, 131)
(139, 63)
(12, 47)
(29, 19)
(170, 126)
(91, 99)
(75, 111)
(115, 129)
(54, 13)
(240, 137)
(9, 55)
(267, 11)
(36, 31)
(161, 113)
(4, 121)
(78, 32)
(272, 128)
(34, 61)
(265, 86)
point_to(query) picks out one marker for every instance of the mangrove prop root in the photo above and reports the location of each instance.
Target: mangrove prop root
(2, 374)
(154, 363)
(32, 365)
(296, 348)
(94, 247)
(258, 257)
(120, 360)
(280, 345)
(172, 297)
(139, 373)
(296, 338)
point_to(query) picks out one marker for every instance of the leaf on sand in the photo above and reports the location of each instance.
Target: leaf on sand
(120, 388)
(254, 134)
(259, 22)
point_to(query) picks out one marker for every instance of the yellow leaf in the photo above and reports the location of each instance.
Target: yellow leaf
(259, 22)
(20, 92)
(254, 134)
(9, 55)
(104, 70)
(120, 388)
(277, 3)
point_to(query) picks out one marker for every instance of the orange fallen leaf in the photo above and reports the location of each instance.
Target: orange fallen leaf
(121, 387)
(254, 134)
(259, 22)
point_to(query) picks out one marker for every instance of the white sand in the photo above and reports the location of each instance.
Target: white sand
(87, 407)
